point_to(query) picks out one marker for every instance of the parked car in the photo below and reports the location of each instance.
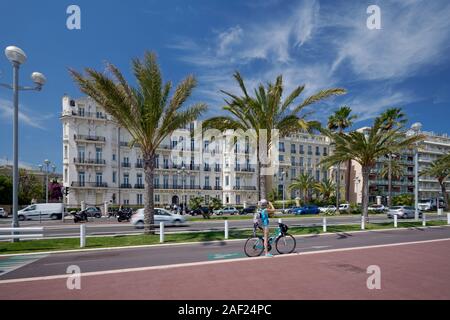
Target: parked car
(330, 208)
(226, 210)
(161, 215)
(249, 209)
(39, 211)
(3, 213)
(377, 208)
(308, 209)
(200, 211)
(403, 212)
(93, 212)
(344, 207)
(430, 204)
(291, 210)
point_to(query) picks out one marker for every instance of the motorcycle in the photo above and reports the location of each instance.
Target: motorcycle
(124, 214)
(80, 216)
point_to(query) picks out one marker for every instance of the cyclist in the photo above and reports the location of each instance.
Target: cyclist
(264, 215)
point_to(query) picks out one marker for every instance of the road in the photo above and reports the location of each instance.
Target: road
(104, 226)
(414, 265)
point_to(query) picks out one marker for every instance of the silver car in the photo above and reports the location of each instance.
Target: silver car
(403, 212)
(161, 215)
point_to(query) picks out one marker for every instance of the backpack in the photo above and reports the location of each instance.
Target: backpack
(283, 228)
(257, 219)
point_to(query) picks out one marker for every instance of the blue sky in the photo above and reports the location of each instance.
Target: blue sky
(320, 44)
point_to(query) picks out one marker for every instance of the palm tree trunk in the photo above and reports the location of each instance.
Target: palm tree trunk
(347, 182)
(149, 205)
(390, 181)
(258, 171)
(338, 185)
(444, 195)
(365, 191)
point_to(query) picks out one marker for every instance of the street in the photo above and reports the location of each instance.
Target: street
(104, 226)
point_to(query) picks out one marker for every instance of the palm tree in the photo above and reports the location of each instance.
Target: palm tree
(326, 188)
(440, 169)
(146, 111)
(392, 169)
(365, 147)
(391, 118)
(339, 121)
(304, 183)
(264, 112)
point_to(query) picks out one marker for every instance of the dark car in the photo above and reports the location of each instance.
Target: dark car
(200, 211)
(308, 209)
(249, 209)
(93, 212)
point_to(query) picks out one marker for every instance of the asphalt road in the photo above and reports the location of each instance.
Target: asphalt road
(26, 266)
(104, 226)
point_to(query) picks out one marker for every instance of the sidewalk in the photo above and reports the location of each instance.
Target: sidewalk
(408, 271)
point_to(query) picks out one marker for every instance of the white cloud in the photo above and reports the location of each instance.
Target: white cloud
(229, 38)
(25, 117)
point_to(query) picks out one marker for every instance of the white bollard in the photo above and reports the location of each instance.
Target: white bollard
(440, 212)
(83, 205)
(82, 235)
(161, 232)
(395, 221)
(363, 223)
(424, 219)
(448, 217)
(226, 229)
(105, 209)
(324, 224)
(280, 220)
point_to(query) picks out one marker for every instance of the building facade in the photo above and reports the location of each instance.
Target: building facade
(100, 165)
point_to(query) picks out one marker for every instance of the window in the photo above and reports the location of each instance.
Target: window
(139, 199)
(139, 179)
(293, 161)
(65, 152)
(114, 157)
(99, 178)
(281, 147)
(114, 176)
(81, 178)
(206, 181)
(65, 175)
(166, 182)
(217, 182)
(238, 199)
(126, 178)
(157, 199)
(281, 158)
(293, 150)
(156, 181)
(317, 151)
(192, 182)
(309, 150)
(126, 201)
(317, 175)
(81, 152)
(325, 151)
(175, 182)
(238, 182)
(98, 154)
(301, 161)
(301, 149)
(227, 180)
(293, 173)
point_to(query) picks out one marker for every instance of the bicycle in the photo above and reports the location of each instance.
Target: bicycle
(284, 242)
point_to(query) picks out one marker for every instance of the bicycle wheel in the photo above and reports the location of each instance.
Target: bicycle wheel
(285, 244)
(254, 247)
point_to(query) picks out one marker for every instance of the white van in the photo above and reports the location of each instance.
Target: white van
(40, 211)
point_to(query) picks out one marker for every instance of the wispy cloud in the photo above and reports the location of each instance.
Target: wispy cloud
(25, 116)
(323, 46)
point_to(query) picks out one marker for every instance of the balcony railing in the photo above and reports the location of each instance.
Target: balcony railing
(244, 169)
(207, 188)
(92, 115)
(139, 165)
(89, 161)
(177, 187)
(125, 186)
(83, 184)
(89, 138)
(126, 165)
(139, 186)
(218, 188)
(246, 188)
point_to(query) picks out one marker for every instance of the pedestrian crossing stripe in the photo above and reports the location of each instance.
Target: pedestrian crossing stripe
(8, 264)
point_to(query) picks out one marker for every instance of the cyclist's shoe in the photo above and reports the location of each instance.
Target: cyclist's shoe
(269, 255)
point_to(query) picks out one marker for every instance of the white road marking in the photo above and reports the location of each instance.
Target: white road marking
(202, 263)
(10, 264)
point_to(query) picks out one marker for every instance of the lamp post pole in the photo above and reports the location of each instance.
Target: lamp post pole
(17, 57)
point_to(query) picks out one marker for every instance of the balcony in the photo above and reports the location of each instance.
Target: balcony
(244, 188)
(141, 186)
(88, 138)
(125, 186)
(139, 165)
(126, 165)
(218, 188)
(207, 188)
(84, 161)
(217, 169)
(82, 184)
(90, 115)
(244, 169)
(177, 187)
(207, 168)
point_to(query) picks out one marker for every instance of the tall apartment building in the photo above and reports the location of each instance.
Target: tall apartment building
(99, 165)
(429, 150)
(433, 147)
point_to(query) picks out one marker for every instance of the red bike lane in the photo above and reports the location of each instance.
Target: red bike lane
(408, 271)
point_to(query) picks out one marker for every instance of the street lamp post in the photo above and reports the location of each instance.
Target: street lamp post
(416, 128)
(283, 174)
(17, 57)
(47, 171)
